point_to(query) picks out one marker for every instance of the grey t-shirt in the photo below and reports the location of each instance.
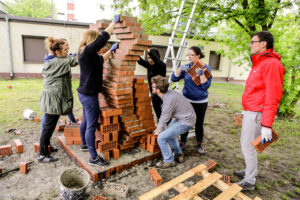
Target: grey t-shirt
(177, 106)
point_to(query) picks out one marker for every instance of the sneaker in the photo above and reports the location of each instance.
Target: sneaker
(240, 173)
(53, 149)
(200, 149)
(46, 159)
(164, 165)
(179, 157)
(83, 147)
(245, 185)
(98, 161)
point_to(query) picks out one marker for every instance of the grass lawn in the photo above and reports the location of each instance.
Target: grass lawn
(279, 169)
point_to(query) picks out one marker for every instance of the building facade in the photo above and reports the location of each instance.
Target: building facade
(23, 48)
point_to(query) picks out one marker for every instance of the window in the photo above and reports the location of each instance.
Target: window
(214, 60)
(34, 49)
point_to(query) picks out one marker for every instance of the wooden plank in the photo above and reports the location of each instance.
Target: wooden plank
(179, 179)
(229, 193)
(223, 186)
(181, 188)
(198, 187)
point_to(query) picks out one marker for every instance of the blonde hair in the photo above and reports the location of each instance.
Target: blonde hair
(88, 37)
(53, 44)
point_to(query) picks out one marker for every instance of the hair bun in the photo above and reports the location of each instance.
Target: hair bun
(51, 39)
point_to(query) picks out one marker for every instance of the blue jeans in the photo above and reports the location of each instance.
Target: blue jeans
(167, 140)
(89, 124)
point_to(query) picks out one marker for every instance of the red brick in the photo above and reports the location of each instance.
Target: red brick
(127, 36)
(18, 145)
(211, 165)
(128, 111)
(116, 153)
(118, 62)
(126, 57)
(128, 18)
(261, 147)
(124, 24)
(107, 112)
(139, 80)
(109, 128)
(24, 167)
(123, 101)
(98, 197)
(126, 118)
(98, 26)
(102, 147)
(238, 120)
(36, 147)
(137, 41)
(155, 177)
(143, 146)
(36, 119)
(107, 137)
(109, 120)
(130, 52)
(5, 150)
(153, 148)
(226, 179)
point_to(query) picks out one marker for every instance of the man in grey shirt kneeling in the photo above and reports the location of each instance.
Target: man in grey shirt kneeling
(183, 116)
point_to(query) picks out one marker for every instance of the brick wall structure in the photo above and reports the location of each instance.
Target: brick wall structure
(122, 91)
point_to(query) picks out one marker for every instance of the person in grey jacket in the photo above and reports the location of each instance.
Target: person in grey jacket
(183, 116)
(57, 96)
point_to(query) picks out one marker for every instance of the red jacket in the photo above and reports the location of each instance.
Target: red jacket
(263, 90)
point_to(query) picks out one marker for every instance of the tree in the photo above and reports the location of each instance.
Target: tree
(235, 21)
(31, 8)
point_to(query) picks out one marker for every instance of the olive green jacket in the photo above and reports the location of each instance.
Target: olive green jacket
(57, 96)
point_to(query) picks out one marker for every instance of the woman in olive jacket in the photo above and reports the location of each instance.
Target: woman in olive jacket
(57, 96)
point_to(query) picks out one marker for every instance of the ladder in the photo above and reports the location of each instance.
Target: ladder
(183, 44)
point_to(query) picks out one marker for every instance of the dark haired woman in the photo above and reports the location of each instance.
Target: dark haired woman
(154, 67)
(197, 95)
(57, 96)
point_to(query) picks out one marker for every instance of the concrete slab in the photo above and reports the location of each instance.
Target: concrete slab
(126, 160)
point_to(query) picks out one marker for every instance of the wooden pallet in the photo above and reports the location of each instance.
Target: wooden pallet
(229, 192)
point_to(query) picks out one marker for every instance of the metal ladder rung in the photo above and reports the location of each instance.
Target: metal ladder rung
(190, 2)
(180, 31)
(177, 46)
(170, 58)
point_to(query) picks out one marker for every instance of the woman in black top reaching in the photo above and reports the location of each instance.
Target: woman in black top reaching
(154, 67)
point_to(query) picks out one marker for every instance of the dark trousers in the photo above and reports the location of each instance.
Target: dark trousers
(156, 103)
(49, 125)
(200, 110)
(89, 124)
(71, 118)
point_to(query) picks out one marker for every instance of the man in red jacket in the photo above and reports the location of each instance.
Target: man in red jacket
(261, 98)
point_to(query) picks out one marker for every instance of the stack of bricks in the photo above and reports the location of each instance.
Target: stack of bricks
(152, 145)
(72, 134)
(118, 76)
(107, 133)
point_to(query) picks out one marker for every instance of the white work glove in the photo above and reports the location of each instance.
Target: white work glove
(266, 135)
(242, 113)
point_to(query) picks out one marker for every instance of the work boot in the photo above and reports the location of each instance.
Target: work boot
(246, 186)
(46, 159)
(240, 173)
(164, 165)
(83, 147)
(179, 157)
(98, 161)
(200, 149)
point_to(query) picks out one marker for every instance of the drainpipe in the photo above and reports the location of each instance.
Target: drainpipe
(9, 48)
(229, 70)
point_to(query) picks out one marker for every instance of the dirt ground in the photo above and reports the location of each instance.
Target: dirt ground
(278, 172)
